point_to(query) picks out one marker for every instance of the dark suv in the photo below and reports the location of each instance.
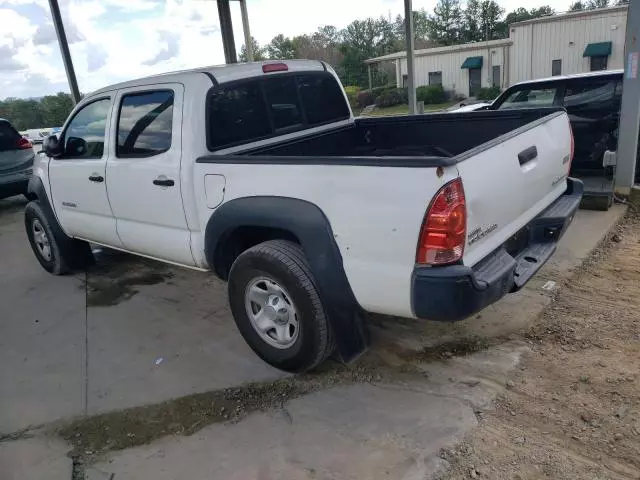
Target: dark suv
(592, 101)
(16, 161)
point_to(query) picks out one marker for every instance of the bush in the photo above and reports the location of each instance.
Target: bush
(364, 99)
(352, 94)
(430, 94)
(488, 93)
(389, 98)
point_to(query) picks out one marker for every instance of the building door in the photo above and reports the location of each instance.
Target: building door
(475, 81)
(496, 79)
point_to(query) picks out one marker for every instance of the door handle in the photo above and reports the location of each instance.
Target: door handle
(527, 155)
(164, 182)
(96, 178)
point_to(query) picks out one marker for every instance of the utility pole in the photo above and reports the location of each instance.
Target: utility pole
(226, 30)
(408, 28)
(248, 41)
(64, 50)
(630, 112)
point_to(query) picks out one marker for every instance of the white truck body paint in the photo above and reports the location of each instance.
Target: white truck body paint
(375, 212)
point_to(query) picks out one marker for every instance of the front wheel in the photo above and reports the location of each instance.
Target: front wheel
(58, 254)
(277, 308)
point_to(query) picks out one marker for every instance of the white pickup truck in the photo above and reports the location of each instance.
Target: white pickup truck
(260, 173)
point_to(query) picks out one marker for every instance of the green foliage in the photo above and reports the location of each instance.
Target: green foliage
(446, 23)
(352, 94)
(430, 94)
(488, 93)
(258, 52)
(391, 97)
(577, 6)
(281, 47)
(364, 99)
(49, 111)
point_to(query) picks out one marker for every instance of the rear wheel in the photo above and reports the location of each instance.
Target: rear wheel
(58, 254)
(277, 308)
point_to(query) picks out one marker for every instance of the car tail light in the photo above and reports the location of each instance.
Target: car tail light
(23, 143)
(274, 67)
(444, 228)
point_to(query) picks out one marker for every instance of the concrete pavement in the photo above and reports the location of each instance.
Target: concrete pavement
(134, 332)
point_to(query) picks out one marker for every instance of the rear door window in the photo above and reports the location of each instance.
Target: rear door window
(265, 107)
(9, 137)
(145, 124)
(531, 97)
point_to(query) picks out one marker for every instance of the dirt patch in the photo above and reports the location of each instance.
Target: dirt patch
(95, 435)
(572, 410)
(115, 276)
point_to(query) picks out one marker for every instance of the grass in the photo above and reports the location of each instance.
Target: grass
(404, 109)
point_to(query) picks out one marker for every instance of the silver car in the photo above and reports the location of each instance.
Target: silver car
(16, 161)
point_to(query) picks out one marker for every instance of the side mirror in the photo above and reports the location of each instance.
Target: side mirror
(52, 147)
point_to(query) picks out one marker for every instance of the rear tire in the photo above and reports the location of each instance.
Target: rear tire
(58, 254)
(277, 307)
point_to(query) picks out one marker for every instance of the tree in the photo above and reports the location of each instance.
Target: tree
(593, 4)
(258, 52)
(471, 22)
(49, 111)
(490, 15)
(522, 14)
(281, 47)
(56, 109)
(577, 6)
(445, 24)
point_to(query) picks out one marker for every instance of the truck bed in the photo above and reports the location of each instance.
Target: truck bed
(432, 138)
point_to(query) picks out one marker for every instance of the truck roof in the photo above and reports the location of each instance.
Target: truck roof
(221, 73)
(559, 78)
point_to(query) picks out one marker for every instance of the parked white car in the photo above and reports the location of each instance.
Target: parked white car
(260, 173)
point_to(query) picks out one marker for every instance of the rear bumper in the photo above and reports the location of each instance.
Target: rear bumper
(456, 292)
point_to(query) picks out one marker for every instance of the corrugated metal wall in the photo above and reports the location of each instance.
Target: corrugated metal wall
(455, 78)
(536, 45)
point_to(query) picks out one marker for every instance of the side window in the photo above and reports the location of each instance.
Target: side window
(529, 98)
(593, 97)
(84, 137)
(283, 102)
(145, 124)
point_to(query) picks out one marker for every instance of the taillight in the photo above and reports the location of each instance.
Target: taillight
(23, 143)
(274, 67)
(444, 228)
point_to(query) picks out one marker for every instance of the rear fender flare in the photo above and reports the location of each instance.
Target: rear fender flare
(308, 223)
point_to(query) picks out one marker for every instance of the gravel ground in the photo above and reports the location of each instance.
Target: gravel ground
(572, 409)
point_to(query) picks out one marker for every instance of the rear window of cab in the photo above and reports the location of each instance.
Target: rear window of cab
(254, 109)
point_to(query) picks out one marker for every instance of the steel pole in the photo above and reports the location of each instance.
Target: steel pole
(408, 27)
(226, 30)
(247, 32)
(630, 112)
(64, 50)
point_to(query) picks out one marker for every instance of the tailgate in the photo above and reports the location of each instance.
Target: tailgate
(510, 180)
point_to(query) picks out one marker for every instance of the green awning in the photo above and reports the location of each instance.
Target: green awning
(602, 49)
(472, 62)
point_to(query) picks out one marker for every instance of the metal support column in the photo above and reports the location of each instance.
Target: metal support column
(630, 111)
(64, 50)
(369, 74)
(247, 32)
(408, 28)
(226, 30)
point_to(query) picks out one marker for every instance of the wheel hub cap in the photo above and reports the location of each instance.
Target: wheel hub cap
(271, 312)
(41, 239)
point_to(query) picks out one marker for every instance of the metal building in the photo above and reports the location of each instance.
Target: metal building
(562, 44)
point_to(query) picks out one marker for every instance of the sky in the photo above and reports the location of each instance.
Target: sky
(117, 40)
